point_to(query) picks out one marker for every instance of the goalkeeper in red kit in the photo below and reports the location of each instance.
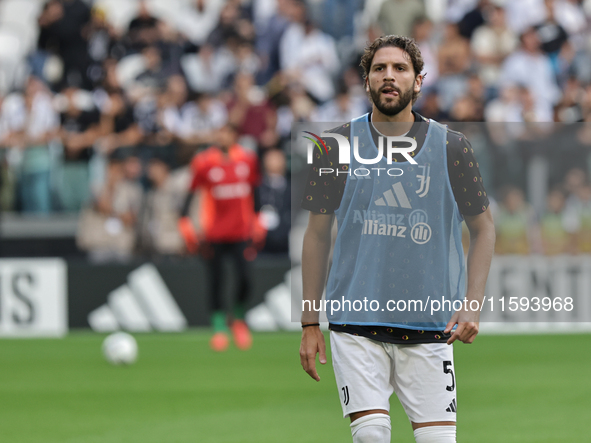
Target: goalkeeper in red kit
(227, 175)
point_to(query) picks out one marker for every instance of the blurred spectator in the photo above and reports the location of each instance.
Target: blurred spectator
(397, 16)
(308, 55)
(275, 202)
(118, 127)
(155, 75)
(470, 107)
(61, 24)
(518, 69)
(567, 63)
(173, 115)
(338, 17)
(106, 228)
(189, 124)
(577, 219)
(143, 30)
(422, 32)
(552, 36)
(268, 41)
(103, 42)
(473, 19)
(233, 25)
(209, 70)
(453, 52)
(110, 79)
(524, 14)
(146, 114)
(159, 217)
(205, 115)
(355, 86)
(33, 124)
(297, 107)
(465, 109)
(429, 107)
(453, 61)
(342, 108)
(571, 16)
(457, 9)
(528, 105)
(201, 118)
(574, 180)
(198, 19)
(79, 131)
(246, 58)
(491, 44)
(568, 109)
(251, 113)
(515, 224)
(555, 239)
(11, 123)
(505, 108)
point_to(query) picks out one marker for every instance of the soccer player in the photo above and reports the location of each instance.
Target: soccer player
(227, 174)
(398, 241)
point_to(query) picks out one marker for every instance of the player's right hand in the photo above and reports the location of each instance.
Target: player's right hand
(189, 234)
(312, 344)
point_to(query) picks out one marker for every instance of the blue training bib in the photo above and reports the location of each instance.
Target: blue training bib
(398, 259)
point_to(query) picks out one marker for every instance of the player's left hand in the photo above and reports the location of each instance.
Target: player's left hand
(258, 235)
(312, 344)
(468, 323)
(189, 234)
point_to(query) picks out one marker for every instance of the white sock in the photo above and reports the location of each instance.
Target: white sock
(436, 434)
(372, 428)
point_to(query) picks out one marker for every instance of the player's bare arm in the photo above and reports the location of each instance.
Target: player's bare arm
(315, 253)
(482, 241)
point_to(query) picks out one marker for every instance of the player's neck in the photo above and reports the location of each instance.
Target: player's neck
(404, 121)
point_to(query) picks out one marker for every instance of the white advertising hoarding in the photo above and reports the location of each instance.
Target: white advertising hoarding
(33, 297)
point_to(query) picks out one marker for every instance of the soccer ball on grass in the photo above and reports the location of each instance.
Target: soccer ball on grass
(120, 348)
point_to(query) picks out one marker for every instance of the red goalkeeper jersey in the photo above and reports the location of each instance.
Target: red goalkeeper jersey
(227, 201)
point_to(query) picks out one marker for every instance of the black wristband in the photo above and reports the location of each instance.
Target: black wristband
(311, 324)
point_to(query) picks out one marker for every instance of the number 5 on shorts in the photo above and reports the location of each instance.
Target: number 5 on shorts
(448, 370)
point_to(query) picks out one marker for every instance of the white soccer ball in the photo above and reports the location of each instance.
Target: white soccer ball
(120, 348)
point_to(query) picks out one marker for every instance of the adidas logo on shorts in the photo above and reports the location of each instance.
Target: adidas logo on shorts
(452, 406)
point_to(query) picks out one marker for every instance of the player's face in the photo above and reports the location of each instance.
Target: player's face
(226, 137)
(391, 81)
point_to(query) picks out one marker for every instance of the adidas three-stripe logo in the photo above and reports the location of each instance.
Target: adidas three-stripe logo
(452, 406)
(390, 200)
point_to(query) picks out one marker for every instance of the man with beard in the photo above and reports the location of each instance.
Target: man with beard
(398, 246)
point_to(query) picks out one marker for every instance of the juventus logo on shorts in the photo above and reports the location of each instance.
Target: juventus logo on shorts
(346, 395)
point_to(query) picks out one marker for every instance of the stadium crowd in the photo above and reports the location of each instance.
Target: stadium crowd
(110, 113)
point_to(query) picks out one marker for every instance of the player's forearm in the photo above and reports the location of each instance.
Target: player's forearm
(314, 270)
(482, 243)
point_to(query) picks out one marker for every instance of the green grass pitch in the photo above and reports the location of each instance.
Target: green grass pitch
(510, 389)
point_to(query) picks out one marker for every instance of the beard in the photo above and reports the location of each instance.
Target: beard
(393, 107)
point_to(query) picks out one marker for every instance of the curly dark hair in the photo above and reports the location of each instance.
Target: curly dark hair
(407, 44)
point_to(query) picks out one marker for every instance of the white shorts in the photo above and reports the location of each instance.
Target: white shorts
(369, 371)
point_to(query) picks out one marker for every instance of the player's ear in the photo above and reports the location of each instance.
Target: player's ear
(418, 83)
(366, 84)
